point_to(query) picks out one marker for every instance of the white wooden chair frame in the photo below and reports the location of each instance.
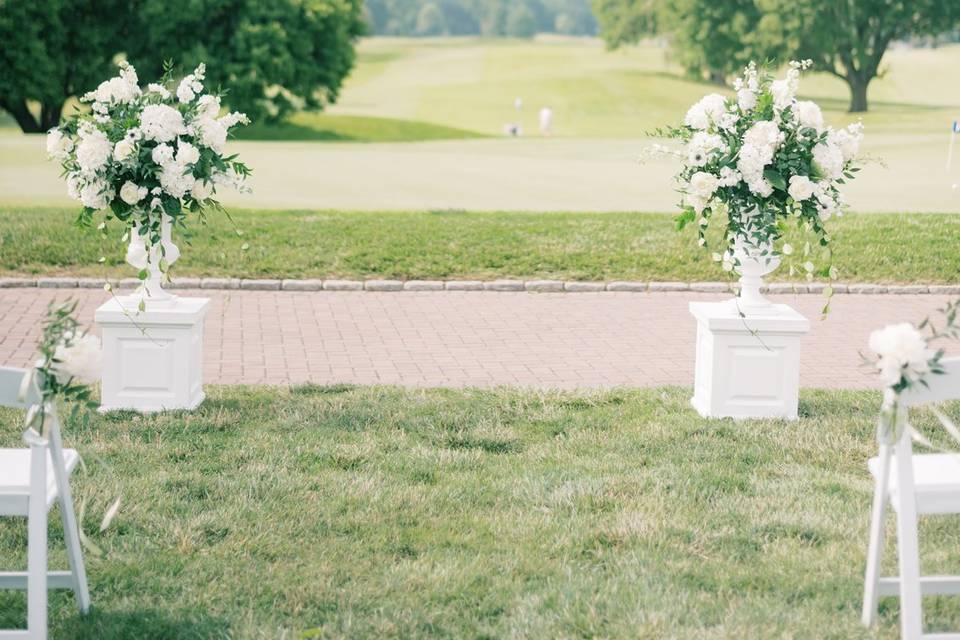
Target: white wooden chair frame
(898, 458)
(35, 505)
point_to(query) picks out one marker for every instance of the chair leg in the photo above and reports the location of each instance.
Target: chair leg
(71, 536)
(911, 605)
(875, 550)
(37, 545)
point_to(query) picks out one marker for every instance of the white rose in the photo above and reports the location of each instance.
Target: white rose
(79, 358)
(746, 99)
(162, 154)
(703, 184)
(810, 115)
(801, 188)
(847, 140)
(123, 149)
(201, 190)
(184, 91)
(187, 153)
(131, 193)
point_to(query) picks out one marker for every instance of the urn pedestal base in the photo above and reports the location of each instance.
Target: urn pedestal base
(747, 367)
(152, 360)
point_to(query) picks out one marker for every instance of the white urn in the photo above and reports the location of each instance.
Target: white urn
(755, 261)
(151, 291)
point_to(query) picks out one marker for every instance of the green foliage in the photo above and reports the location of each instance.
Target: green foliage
(714, 39)
(54, 49)
(849, 39)
(270, 58)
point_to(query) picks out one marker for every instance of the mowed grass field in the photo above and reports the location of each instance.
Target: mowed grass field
(430, 115)
(339, 512)
(462, 245)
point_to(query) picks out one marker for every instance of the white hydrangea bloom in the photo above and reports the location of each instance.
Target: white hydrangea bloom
(710, 109)
(212, 134)
(208, 106)
(59, 146)
(161, 123)
(176, 179)
(746, 99)
(94, 149)
(828, 160)
(96, 194)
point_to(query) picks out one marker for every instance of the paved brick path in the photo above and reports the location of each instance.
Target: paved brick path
(461, 339)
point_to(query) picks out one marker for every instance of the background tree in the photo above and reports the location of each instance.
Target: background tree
(271, 57)
(430, 21)
(848, 38)
(51, 50)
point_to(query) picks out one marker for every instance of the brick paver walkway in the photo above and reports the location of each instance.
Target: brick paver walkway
(458, 339)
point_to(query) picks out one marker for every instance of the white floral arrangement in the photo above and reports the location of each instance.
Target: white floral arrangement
(141, 154)
(904, 359)
(70, 360)
(760, 159)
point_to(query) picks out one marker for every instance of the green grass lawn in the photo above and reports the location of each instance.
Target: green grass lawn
(339, 128)
(451, 245)
(384, 513)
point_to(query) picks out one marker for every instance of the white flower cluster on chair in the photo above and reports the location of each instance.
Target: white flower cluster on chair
(762, 157)
(141, 154)
(903, 357)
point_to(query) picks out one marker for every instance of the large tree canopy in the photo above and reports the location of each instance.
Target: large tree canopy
(54, 49)
(847, 38)
(269, 57)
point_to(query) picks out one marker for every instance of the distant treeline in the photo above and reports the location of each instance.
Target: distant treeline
(512, 18)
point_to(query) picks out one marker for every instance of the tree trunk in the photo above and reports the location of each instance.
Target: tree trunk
(20, 113)
(718, 77)
(858, 92)
(50, 114)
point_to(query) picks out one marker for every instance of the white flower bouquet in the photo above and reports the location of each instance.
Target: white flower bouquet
(70, 360)
(147, 158)
(904, 359)
(759, 160)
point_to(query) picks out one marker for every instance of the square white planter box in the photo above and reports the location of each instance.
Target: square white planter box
(152, 360)
(747, 367)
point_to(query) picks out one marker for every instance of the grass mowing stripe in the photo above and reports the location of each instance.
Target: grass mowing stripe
(886, 248)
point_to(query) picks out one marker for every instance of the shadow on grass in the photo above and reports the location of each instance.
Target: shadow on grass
(291, 131)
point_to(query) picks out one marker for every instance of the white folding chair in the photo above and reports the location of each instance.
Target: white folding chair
(914, 485)
(31, 480)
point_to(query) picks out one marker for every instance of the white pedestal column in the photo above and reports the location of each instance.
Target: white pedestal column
(152, 360)
(747, 367)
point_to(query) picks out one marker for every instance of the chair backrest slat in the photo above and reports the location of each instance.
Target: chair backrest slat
(940, 387)
(10, 382)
